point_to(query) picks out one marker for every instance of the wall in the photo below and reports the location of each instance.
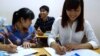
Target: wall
(92, 7)
(92, 14)
(9, 6)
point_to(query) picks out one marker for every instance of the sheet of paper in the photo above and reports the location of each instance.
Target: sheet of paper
(81, 52)
(22, 52)
(47, 33)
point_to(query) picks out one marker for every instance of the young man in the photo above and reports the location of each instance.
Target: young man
(44, 22)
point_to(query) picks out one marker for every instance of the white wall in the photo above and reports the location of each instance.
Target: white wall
(9, 6)
(92, 7)
(92, 14)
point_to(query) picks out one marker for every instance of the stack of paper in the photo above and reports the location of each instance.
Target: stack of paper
(21, 52)
(81, 52)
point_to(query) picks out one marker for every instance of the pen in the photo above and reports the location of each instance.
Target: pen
(61, 45)
(58, 41)
(10, 41)
(76, 54)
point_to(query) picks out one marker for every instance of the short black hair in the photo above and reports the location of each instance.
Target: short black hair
(25, 13)
(45, 8)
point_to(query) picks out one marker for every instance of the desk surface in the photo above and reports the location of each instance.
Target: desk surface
(97, 50)
(43, 51)
(44, 36)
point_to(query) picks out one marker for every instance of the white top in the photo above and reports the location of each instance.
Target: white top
(68, 34)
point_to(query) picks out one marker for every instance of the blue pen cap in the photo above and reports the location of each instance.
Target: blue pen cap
(76, 54)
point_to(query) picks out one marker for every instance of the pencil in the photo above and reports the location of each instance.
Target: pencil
(10, 41)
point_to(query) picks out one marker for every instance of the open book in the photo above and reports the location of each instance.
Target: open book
(80, 52)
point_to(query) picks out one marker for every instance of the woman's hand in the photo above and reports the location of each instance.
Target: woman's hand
(11, 48)
(70, 47)
(59, 49)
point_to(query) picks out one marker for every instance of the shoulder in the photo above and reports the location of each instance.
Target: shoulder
(51, 18)
(31, 29)
(86, 23)
(9, 27)
(38, 19)
(58, 21)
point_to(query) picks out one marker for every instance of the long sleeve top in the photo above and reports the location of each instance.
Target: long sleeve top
(68, 34)
(17, 37)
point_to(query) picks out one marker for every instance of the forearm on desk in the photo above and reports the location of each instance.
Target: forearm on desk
(53, 44)
(85, 46)
(3, 47)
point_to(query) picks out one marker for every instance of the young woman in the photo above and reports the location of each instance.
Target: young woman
(20, 32)
(72, 27)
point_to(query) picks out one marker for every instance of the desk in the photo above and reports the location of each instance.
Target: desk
(44, 36)
(97, 50)
(43, 51)
(42, 39)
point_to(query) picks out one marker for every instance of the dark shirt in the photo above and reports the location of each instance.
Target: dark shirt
(44, 26)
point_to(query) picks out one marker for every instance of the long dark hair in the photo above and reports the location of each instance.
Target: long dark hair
(73, 4)
(25, 13)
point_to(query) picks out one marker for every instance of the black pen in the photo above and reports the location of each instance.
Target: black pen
(60, 44)
(58, 41)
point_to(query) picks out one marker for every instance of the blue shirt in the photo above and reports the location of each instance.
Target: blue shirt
(17, 37)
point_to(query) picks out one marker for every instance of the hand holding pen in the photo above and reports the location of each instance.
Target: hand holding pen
(58, 48)
(11, 46)
(8, 47)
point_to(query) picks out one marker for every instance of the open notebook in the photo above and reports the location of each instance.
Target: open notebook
(81, 52)
(22, 52)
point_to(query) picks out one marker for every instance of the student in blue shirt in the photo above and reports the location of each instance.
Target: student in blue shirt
(20, 32)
